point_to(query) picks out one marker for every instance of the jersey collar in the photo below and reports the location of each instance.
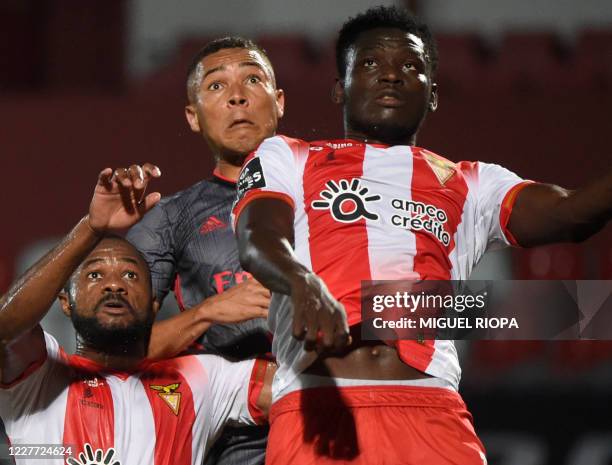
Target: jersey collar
(220, 177)
(341, 143)
(85, 364)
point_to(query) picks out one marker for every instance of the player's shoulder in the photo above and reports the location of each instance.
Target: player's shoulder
(186, 196)
(201, 368)
(175, 205)
(430, 155)
(172, 214)
(304, 147)
(279, 144)
(464, 167)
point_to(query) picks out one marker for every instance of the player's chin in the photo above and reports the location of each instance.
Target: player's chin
(244, 143)
(378, 114)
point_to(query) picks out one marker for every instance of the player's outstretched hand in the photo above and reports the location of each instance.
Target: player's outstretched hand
(318, 318)
(244, 301)
(120, 198)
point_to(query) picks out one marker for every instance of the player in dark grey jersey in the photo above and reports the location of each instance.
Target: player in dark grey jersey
(187, 238)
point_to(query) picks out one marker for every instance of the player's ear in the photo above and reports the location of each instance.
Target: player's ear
(65, 303)
(338, 92)
(433, 98)
(192, 118)
(280, 102)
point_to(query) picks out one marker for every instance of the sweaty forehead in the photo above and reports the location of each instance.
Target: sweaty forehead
(115, 249)
(389, 38)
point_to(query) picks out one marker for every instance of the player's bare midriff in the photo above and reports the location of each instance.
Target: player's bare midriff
(364, 360)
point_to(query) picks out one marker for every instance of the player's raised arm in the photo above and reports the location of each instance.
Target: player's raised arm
(545, 213)
(118, 202)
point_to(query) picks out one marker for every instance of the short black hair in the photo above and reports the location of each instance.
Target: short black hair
(215, 46)
(384, 17)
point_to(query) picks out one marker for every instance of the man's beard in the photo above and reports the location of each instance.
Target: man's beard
(115, 339)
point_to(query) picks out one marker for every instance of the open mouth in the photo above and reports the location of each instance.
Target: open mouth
(241, 123)
(114, 306)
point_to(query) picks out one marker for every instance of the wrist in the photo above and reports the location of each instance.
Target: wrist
(93, 231)
(205, 310)
(300, 279)
(86, 232)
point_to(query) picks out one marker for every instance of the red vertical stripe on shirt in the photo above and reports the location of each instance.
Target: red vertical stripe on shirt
(338, 251)
(90, 417)
(432, 257)
(432, 260)
(166, 387)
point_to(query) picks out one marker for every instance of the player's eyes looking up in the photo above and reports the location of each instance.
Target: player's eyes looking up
(131, 275)
(251, 79)
(94, 275)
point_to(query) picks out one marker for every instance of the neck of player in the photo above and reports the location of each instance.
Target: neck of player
(125, 358)
(372, 138)
(227, 169)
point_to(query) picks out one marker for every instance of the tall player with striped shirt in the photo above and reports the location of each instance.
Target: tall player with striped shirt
(108, 404)
(315, 219)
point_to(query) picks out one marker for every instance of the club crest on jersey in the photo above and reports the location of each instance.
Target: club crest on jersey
(97, 457)
(251, 177)
(346, 201)
(443, 169)
(169, 396)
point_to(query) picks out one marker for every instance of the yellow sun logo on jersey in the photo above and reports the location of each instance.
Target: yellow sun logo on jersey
(169, 396)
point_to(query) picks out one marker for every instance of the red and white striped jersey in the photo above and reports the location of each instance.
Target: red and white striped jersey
(166, 413)
(373, 212)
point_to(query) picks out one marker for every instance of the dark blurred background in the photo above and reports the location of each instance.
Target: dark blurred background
(526, 84)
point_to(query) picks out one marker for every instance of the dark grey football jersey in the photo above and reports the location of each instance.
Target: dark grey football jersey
(188, 242)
